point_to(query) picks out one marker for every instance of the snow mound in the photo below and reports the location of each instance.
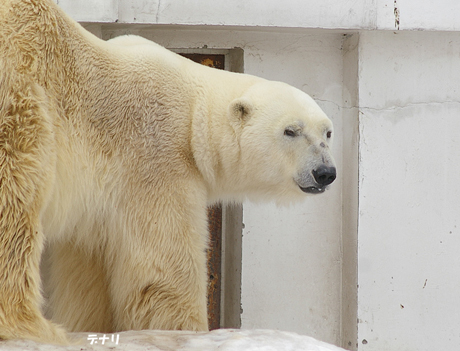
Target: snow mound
(155, 340)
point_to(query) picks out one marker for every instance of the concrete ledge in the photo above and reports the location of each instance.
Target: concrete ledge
(152, 340)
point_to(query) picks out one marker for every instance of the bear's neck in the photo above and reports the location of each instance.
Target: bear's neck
(215, 143)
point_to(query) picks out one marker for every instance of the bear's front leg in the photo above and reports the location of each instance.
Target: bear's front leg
(148, 295)
(159, 278)
(77, 288)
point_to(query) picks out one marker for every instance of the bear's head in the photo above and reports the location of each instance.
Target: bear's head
(285, 142)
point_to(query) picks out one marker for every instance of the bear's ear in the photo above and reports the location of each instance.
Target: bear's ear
(240, 109)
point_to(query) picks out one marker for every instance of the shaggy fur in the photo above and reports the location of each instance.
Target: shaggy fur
(109, 154)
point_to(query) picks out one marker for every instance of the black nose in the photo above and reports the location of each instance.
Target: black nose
(324, 175)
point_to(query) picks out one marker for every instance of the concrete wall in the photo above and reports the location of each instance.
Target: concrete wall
(371, 264)
(409, 223)
(330, 14)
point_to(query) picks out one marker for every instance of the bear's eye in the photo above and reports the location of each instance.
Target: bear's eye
(329, 134)
(289, 132)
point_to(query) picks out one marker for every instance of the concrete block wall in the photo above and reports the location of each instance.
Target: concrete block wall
(409, 153)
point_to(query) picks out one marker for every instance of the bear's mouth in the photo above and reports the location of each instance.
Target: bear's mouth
(313, 189)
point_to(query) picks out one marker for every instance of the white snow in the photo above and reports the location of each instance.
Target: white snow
(153, 340)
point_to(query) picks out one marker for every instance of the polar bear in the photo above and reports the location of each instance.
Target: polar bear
(110, 153)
